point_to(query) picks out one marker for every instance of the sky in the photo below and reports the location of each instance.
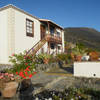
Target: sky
(66, 13)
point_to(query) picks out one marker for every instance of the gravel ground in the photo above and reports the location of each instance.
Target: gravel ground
(59, 82)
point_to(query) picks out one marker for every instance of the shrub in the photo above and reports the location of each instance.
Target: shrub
(94, 56)
(67, 58)
(23, 64)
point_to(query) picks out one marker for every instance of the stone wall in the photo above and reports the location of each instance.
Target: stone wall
(39, 67)
(45, 67)
(5, 66)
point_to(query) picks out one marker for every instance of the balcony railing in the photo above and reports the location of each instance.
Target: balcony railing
(52, 38)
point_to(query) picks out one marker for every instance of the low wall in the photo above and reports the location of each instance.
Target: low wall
(39, 67)
(87, 69)
(45, 67)
(4, 66)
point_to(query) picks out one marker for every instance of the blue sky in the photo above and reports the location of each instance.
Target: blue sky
(67, 13)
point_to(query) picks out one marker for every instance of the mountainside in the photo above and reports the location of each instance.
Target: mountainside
(88, 36)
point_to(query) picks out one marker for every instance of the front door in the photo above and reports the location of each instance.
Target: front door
(43, 31)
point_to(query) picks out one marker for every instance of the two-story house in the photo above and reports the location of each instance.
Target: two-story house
(21, 31)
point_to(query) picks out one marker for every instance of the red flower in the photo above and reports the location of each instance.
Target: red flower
(22, 75)
(26, 63)
(13, 54)
(17, 73)
(34, 72)
(30, 75)
(28, 67)
(26, 74)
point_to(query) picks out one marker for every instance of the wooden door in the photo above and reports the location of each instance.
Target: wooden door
(43, 31)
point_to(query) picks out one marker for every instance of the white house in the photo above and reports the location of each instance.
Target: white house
(21, 31)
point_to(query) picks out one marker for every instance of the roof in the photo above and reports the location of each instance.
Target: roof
(46, 20)
(18, 9)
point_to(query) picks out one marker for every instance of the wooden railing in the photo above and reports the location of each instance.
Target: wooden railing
(36, 47)
(55, 39)
(39, 44)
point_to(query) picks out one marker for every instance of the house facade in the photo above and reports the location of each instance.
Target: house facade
(21, 31)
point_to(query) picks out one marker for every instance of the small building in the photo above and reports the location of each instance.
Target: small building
(21, 31)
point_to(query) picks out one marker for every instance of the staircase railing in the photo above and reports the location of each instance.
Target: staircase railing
(36, 47)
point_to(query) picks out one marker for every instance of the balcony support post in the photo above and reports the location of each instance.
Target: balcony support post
(48, 47)
(48, 27)
(56, 48)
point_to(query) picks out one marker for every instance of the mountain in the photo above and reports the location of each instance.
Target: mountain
(88, 36)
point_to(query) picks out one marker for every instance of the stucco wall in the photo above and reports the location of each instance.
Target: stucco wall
(87, 69)
(63, 41)
(23, 42)
(3, 37)
(13, 37)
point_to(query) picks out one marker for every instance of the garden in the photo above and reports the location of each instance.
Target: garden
(25, 67)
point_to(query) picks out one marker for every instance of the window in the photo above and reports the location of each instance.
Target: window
(58, 34)
(52, 30)
(52, 45)
(29, 28)
(59, 47)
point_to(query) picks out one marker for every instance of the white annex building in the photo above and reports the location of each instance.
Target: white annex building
(21, 31)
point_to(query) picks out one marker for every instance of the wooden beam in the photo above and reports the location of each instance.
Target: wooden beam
(48, 47)
(56, 49)
(48, 27)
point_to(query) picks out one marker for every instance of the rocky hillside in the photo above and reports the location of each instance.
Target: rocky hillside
(88, 36)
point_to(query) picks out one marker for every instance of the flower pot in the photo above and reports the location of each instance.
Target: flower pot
(78, 58)
(9, 89)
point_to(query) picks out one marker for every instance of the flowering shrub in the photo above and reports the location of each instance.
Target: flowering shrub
(40, 58)
(23, 65)
(26, 73)
(69, 94)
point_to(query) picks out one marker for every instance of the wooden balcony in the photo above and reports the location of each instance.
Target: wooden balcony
(54, 39)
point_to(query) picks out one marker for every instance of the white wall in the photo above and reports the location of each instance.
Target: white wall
(45, 48)
(13, 37)
(23, 42)
(3, 37)
(63, 41)
(87, 69)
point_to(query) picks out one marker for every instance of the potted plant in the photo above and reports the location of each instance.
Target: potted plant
(8, 85)
(78, 51)
(22, 64)
(94, 56)
(23, 69)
